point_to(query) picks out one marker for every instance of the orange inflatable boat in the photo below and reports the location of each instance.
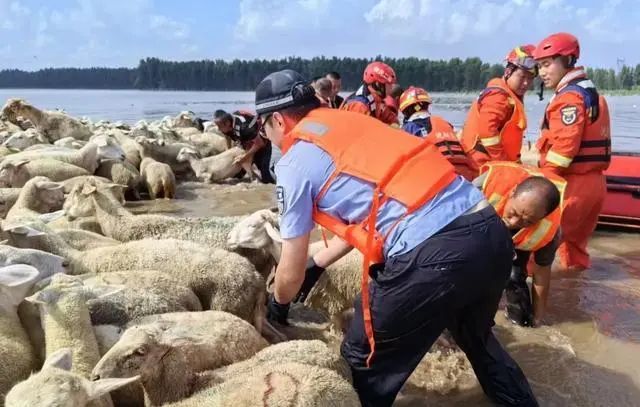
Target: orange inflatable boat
(622, 203)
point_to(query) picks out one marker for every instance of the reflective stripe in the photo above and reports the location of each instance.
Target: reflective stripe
(558, 159)
(494, 199)
(275, 103)
(491, 141)
(536, 236)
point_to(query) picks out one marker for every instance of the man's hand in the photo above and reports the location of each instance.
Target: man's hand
(241, 158)
(277, 312)
(311, 276)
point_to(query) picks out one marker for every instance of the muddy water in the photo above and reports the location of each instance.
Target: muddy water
(587, 355)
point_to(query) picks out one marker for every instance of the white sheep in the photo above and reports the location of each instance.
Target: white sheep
(222, 280)
(208, 144)
(130, 147)
(159, 178)
(84, 239)
(17, 357)
(21, 140)
(46, 263)
(39, 195)
(8, 197)
(55, 385)
(73, 182)
(169, 352)
(70, 142)
(17, 173)
(118, 223)
(278, 385)
(165, 152)
(53, 125)
(122, 173)
(186, 119)
(88, 157)
(216, 168)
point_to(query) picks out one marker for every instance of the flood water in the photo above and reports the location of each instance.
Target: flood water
(587, 355)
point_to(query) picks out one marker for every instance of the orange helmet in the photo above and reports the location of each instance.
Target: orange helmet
(412, 96)
(558, 44)
(379, 72)
(522, 57)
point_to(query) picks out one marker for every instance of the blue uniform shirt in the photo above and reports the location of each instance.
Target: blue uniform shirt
(419, 124)
(302, 172)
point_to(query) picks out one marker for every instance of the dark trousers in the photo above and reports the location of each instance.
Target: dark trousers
(262, 160)
(453, 280)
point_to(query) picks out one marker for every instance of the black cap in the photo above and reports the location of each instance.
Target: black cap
(282, 89)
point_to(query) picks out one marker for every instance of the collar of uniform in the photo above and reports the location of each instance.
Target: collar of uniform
(419, 115)
(575, 73)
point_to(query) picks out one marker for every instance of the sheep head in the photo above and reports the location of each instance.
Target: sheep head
(15, 283)
(8, 172)
(137, 353)
(24, 139)
(108, 148)
(79, 203)
(186, 153)
(13, 108)
(256, 231)
(50, 195)
(55, 385)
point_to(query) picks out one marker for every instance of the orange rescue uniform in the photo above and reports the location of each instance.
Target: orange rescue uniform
(400, 166)
(364, 102)
(444, 137)
(495, 125)
(502, 178)
(576, 143)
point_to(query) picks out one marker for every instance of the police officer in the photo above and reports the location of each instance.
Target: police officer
(529, 202)
(243, 129)
(439, 254)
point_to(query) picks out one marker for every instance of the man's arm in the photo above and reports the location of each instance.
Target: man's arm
(291, 268)
(541, 270)
(336, 249)
(495, 110)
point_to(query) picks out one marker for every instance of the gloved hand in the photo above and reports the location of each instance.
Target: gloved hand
(387, 112)
(277, 312)
(519, 307)
(311, 276)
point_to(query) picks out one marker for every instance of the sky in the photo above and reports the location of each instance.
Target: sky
(112, 33)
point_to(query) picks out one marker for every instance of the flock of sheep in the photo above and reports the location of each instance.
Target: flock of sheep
(101, 307)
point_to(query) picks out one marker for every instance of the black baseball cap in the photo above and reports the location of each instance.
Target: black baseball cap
(282, 89)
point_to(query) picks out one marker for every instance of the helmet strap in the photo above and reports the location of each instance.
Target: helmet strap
(379, 89)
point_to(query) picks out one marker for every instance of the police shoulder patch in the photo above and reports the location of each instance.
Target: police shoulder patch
(280, 198)
(569, 115)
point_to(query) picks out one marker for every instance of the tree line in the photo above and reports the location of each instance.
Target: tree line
(152, 73)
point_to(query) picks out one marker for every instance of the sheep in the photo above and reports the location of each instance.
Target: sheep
(85, 240)
(208, 143)
(216, 168)
(17, 173)
(21, 140)
(70, 142)
(168, 353)
(39, 195)
(8, 197)
(88, 157)
(159, 178)
(70, 183)
(55, 385)
(47, 264)
(161, 151)
(278, 385)
(16, 354)
(53, 125)
(222, 280)
(118, 223)
(338, 286)
(123, 173)
(187, 119)
(130, 147)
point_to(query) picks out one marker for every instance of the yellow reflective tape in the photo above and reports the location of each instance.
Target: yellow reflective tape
(494, 199)
(491, 141)
(558, 159)
(534, 239)
(520, 53)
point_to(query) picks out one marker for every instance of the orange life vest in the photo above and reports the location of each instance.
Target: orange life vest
(512, 133)
(595, 146)
(444, 137)
(502, 178)
(399, 165)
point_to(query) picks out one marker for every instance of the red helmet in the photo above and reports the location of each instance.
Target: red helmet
(378, 72)
(522, 57)
(412, 96)
(558, 44)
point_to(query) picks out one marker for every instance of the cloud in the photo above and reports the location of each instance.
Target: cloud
(168, 27)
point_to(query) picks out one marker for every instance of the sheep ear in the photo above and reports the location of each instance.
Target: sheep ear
(18, 163)
(24, 230)
(88, 189)
(102, 387)
(43, 297)
(103, 291)
(60, 359)
(17, 275)
(272, 232)
(51, 216)
(49, 185)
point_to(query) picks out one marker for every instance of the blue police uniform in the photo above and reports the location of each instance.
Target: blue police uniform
(419, 124)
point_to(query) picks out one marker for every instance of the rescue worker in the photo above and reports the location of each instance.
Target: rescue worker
(373, 97)
(440, 255)
(336, 86)
(242, 129)
(530, 203)
(496, 122)
(575, 143)
(414, 105)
